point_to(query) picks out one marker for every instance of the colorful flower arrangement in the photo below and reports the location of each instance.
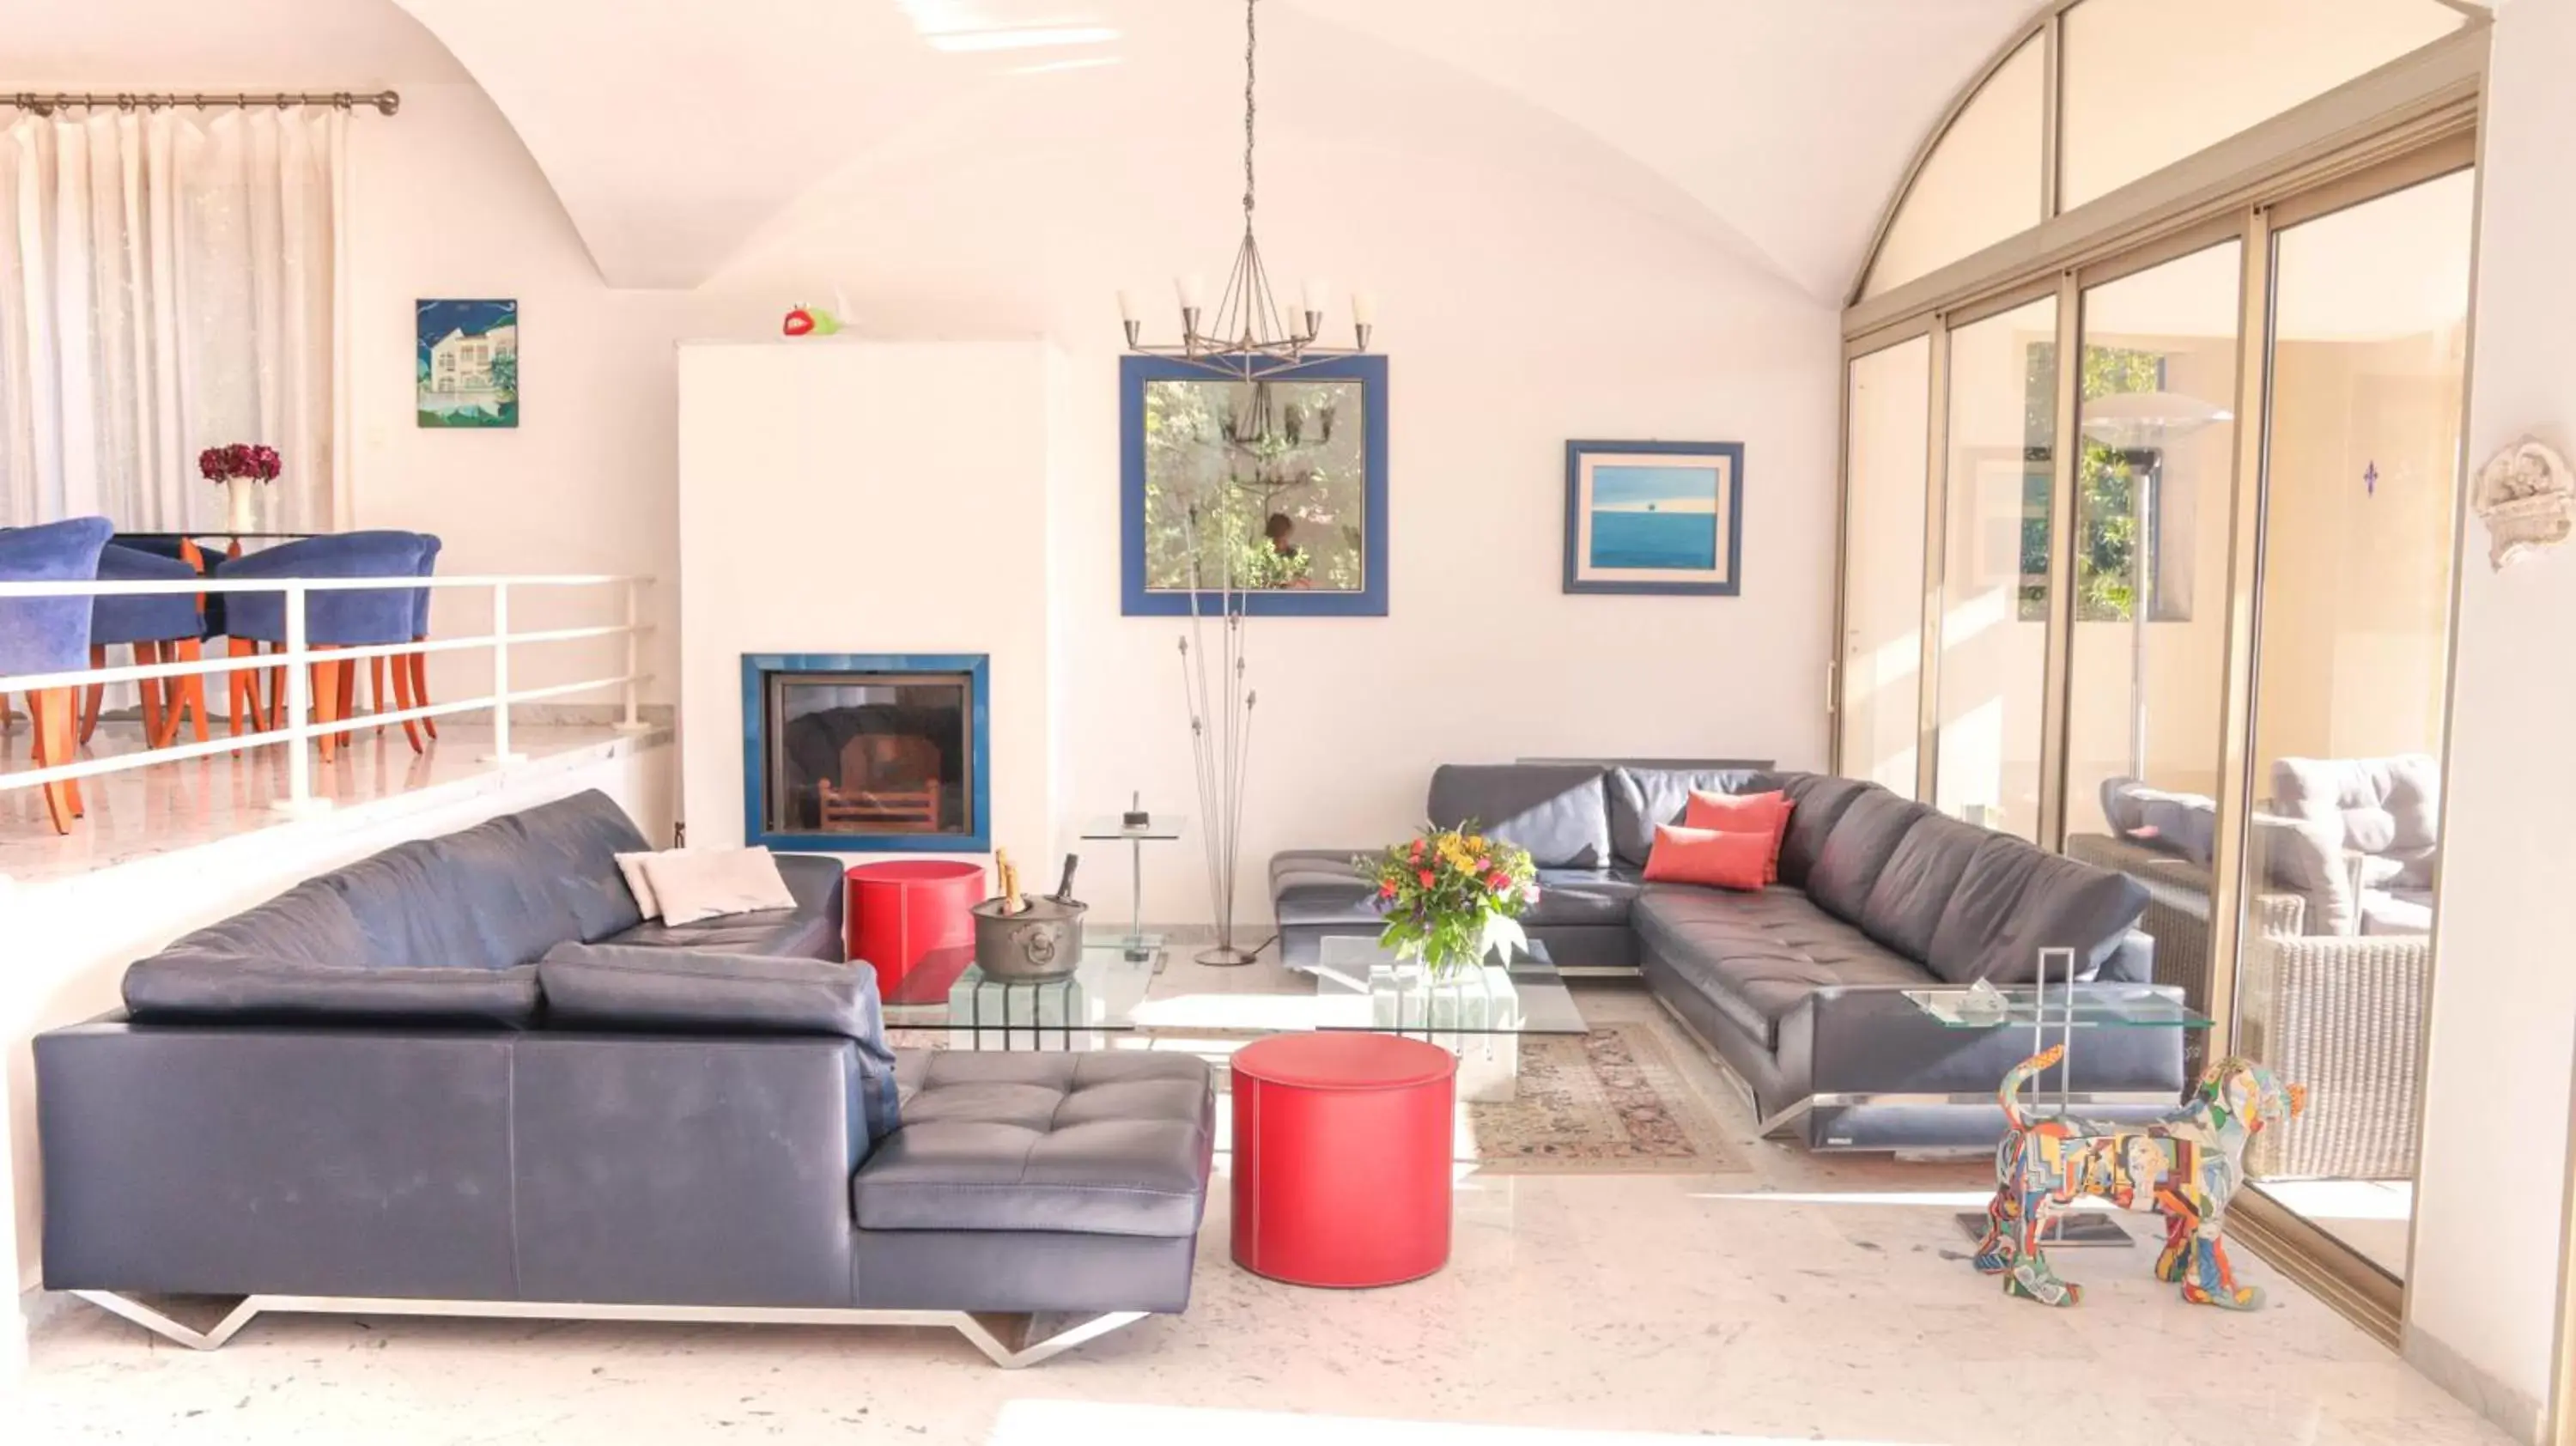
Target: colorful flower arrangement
(242, 459)
(1453, 896)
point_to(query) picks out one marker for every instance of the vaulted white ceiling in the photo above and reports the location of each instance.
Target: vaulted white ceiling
(673, 141)
(678, 133)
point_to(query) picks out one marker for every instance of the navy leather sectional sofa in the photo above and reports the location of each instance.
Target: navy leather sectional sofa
(1799, 989)
(463, 1077)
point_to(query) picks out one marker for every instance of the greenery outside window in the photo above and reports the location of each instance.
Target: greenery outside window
(2110, 483)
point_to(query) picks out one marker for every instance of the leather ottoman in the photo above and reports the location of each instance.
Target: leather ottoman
(1342, 1146)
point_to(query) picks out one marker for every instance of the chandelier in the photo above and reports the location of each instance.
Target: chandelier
(1248, 337)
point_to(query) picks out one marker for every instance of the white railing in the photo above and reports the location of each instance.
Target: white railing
(300, 728)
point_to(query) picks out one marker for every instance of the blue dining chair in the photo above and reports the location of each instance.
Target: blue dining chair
(334, 619)
(411, 671)
(160, 627)
(185, 549)
(50, 635)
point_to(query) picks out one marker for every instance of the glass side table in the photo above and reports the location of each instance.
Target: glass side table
(1164, 828)
(2060, 1013)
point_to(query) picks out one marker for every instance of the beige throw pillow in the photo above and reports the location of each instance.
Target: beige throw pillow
(694, 884)
(632, 866)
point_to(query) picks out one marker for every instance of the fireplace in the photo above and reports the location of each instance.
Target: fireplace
(866, 752)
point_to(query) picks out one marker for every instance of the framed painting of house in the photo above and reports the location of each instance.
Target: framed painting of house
(1266, 496)
(1654, 517)
(467, 361)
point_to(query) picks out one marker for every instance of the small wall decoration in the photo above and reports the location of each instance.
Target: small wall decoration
(1654, 517)
(2527, 499)
(1273, 490)
(467, 357)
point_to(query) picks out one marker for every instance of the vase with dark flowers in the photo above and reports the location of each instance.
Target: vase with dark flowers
(240, 467)
(1453, 897)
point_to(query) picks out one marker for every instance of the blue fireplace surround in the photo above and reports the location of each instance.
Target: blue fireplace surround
(977, 668)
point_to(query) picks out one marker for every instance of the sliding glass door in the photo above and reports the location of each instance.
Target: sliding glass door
(2360, 489)
(1886, 439)
(2231, 685)
(1993, 622)
(2156, 459)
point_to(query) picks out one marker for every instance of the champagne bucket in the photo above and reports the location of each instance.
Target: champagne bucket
(1043, 941)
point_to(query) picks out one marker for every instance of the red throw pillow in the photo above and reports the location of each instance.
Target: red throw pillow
(1705, 856)
(1762, 813)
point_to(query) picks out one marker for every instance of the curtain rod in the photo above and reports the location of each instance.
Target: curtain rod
(385, 101)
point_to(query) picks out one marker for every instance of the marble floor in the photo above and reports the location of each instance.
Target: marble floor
(1804, 1299)
(162, 807)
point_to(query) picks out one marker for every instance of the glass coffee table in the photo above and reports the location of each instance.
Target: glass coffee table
(2058, 1015)
(1112, 996)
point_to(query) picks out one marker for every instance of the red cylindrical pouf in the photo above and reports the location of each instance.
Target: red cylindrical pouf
(1342, 1158)
(902, 909)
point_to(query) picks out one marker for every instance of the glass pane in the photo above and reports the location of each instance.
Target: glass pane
(868, 753)
(1882, 658)
(1258, 486)
(2360, 492)
(1980, 184)
(2148, 82)
(1994, 591)
(2148, 673)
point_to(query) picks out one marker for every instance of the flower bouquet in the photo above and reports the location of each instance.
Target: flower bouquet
(237, 467)
(1453, 896)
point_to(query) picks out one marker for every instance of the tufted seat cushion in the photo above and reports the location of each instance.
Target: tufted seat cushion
(1098, 1143)
(1758, 956)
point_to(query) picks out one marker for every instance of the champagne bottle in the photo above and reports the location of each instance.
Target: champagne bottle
(1009, 880)
(1064, 886)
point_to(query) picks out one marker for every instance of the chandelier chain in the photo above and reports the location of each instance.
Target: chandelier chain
(1242, 333)
(1251, 39)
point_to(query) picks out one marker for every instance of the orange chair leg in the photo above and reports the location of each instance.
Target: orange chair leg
(188, 694)
(405, 702)
(420, 687)
(326, 703)
(376, 687)
(349, 699)
(147, 654)
(276, 689)
(245, 685)
(90, 695)
(52, 709)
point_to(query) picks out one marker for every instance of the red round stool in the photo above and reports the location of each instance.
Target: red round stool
(1341, 1158)
(902, 909)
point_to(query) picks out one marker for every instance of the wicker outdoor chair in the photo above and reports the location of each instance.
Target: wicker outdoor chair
(2342, 1014)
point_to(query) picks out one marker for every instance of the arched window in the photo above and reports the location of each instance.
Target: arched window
(2094, 94)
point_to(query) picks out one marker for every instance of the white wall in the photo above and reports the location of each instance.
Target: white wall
(71, 940)
(1520, 307)
(2487, 1267)
(446, 203)
(857, 497)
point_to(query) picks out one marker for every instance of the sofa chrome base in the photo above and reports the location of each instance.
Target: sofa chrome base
(992, 1334)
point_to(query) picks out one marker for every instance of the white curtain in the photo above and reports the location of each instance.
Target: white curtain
(168, 283)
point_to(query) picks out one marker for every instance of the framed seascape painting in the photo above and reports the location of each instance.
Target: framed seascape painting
(1654, 517)
(466, 355)
(1271, 491)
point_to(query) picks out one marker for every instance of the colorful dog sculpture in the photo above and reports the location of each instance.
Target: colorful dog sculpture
(2185, 1167)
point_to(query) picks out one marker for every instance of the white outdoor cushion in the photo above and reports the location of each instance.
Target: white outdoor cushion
(632, 866)
(694, 884)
